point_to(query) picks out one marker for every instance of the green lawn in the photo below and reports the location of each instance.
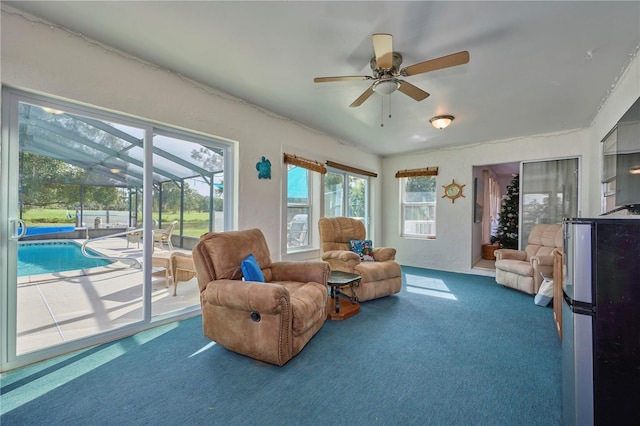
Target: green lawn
(194, 225)
(48, 216)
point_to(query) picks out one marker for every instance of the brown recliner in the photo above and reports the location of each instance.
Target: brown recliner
(270, 321)
(521, 269)
(379, 278)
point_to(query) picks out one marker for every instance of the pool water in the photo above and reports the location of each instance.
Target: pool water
(48, 257)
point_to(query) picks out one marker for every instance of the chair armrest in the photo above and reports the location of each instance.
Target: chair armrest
(502, 254)
(541, 261)
(304, 272)
(382, 254)
(246, 295)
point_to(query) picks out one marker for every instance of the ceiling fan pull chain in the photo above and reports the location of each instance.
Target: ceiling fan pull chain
(382, 112)
(389, 106)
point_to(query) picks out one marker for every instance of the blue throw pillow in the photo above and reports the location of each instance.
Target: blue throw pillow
(363, 248)
(251, 270)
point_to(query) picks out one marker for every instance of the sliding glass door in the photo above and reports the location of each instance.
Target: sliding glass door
(97, 211)
(549, 193)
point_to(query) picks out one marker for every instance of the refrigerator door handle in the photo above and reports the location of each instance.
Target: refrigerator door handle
(581, 308)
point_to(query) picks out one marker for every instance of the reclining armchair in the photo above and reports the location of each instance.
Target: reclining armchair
(270, 321)
(380, 277)
(523, 269)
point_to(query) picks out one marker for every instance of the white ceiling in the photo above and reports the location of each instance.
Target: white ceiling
(535, 67)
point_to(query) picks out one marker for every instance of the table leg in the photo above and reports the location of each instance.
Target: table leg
(354, 296)
(335, 296)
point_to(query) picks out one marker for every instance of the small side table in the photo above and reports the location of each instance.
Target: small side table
(351, 307)
(162, 260)
(182, 268)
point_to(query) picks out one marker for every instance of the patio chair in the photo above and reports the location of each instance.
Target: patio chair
(134, 237)
(162, 236)
(135, 234)
(298, 231)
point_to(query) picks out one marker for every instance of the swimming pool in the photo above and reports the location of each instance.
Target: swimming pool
(46, 257)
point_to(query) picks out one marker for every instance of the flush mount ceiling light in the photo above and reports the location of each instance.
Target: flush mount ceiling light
(441, 121)
(386, 87)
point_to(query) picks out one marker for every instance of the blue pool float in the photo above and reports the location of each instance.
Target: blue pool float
(43, 230)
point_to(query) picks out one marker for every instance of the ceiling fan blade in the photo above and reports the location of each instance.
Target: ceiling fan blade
(437, 64)
(412, 91)
(343, 78)
(383, 48)
(362, 98)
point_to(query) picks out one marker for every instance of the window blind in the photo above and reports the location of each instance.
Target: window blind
(426, 171)
(350, 169)
(304, 163)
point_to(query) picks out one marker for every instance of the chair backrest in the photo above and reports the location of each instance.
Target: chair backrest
(218, 255)
(543, 239)
(167, 232)
(335, 232)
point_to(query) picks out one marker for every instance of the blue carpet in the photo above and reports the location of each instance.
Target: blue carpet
(450, 349)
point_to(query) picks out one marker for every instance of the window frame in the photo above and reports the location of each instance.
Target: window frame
(309, 206)
(346, 192)
(404, 204)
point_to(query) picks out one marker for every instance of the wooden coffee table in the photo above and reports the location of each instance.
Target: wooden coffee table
(349, 306)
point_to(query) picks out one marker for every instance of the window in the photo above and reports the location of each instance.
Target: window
(549, 192)
(418, 204)
(301, 185)
(298, 206)
(346, 194)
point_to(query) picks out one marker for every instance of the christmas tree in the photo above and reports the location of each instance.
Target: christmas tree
(507, 232)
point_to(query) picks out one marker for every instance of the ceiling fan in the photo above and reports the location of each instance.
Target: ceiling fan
(386, 70)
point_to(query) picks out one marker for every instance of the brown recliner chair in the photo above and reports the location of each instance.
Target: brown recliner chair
(379, 278)
(270, 321)
(521, 269)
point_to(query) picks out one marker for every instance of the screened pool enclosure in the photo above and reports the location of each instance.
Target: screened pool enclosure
(93, 169)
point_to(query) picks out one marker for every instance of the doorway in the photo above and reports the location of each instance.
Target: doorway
(547, 192)
(490, 184)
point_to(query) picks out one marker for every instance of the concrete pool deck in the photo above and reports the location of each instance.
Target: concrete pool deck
(67, 306)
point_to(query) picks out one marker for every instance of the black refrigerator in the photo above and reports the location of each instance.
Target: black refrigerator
(601, 321)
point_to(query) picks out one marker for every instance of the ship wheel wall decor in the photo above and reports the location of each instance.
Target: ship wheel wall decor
(453, 191)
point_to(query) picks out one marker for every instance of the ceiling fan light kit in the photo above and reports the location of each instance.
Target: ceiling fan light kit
(441, 121)
(386, 87)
